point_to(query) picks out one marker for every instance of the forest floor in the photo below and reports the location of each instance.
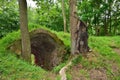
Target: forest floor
(103, 63)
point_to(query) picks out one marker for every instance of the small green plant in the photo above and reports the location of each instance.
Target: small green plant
(57, 68)
(69, 76)
(58, 77)
(77, 60)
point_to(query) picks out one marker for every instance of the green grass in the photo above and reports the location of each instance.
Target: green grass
(13, 68)
(103, 46)
(105, 56)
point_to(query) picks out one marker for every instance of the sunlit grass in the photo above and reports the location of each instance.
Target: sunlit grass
(13, 68)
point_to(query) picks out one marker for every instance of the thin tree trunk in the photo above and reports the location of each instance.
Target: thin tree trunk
(106, 21)
(110, 23)
(73, 25)
(26, 47)
(115, 27)
(64, 16)
(105, 25)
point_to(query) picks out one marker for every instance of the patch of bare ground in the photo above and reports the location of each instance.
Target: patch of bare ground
(78, 71)
(117, 50)
(115, 69)
(98, 74)
(92, 56)
(104, 72)
(76, 74)
(88, 74)
(50, 76)
(114, 66)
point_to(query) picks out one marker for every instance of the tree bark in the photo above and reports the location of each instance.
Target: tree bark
(105, 25)
(73, 25)
(64, 16)
(26, 47)
(110, 23)
(79, 35)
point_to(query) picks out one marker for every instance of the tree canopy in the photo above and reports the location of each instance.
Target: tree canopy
(101, 16)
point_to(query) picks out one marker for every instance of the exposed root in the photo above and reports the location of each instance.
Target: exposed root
(62, 72)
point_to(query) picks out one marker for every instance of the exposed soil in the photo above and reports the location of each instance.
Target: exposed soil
(117, 50)
(98, 74)
(115, 69)
(79, 72)
(114, 66)
(75, 73)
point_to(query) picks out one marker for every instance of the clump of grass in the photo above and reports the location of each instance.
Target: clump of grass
(8, 39)
(77, 60)
(13, 68)
(57, 68)
(69, 76)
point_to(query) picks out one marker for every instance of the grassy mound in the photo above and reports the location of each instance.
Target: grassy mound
(12, 68)
(103, 60)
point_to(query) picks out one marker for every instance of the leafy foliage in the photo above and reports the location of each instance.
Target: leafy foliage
(50, 14)
(8, 17)
(100, 16)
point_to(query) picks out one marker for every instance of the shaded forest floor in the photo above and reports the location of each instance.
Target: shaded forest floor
(103, 63)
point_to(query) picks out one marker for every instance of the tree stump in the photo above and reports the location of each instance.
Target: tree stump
(47, 48)
(81, 37)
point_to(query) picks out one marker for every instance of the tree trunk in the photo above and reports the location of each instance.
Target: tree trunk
(79, 35)
(64, 16)
(73, 25)
(105, 25)
(26, 47)
(110, 23)
(106, 20)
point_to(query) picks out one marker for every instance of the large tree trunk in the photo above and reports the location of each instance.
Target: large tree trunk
(64, 16)
(79, 35)
(73, 25)
(82, 37)
(26, 48)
